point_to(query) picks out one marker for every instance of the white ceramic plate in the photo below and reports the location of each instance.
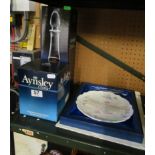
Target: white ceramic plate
(104, 106)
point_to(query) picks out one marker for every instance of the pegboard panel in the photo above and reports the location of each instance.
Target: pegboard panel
(119, 32)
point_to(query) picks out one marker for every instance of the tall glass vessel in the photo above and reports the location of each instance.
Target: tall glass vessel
(54, 53)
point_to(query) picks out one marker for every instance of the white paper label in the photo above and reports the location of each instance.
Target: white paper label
(51, 76)
(10, 57)
(16, 58)
(67, 97)
(24, 60)
(36, 93)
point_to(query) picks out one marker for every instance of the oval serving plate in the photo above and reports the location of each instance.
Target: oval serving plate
(104, 106)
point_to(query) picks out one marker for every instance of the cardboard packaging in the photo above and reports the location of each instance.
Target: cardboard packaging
(22, 57)
(44, 86)
(44, 90)
(58, 34)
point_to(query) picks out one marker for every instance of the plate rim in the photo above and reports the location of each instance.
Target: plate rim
(131, 111)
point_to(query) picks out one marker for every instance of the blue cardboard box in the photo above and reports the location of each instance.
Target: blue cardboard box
(44, 90)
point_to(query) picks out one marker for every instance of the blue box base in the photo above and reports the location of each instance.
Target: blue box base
(47, 108)
(43, 89)
(130, 130)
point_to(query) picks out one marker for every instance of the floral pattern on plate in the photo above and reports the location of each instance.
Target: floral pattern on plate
(104, 106)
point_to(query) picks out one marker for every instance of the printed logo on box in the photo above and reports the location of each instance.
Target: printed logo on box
(40, 83)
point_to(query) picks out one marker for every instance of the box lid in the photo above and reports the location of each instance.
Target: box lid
(41, 76)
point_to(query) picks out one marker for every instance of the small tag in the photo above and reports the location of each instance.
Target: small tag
(28, 132)
(67, 8)
(36, 93)
(51, 76)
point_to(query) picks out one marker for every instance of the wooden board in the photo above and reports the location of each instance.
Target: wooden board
(119, 32)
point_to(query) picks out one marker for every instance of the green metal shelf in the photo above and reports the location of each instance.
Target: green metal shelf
(46, 130)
